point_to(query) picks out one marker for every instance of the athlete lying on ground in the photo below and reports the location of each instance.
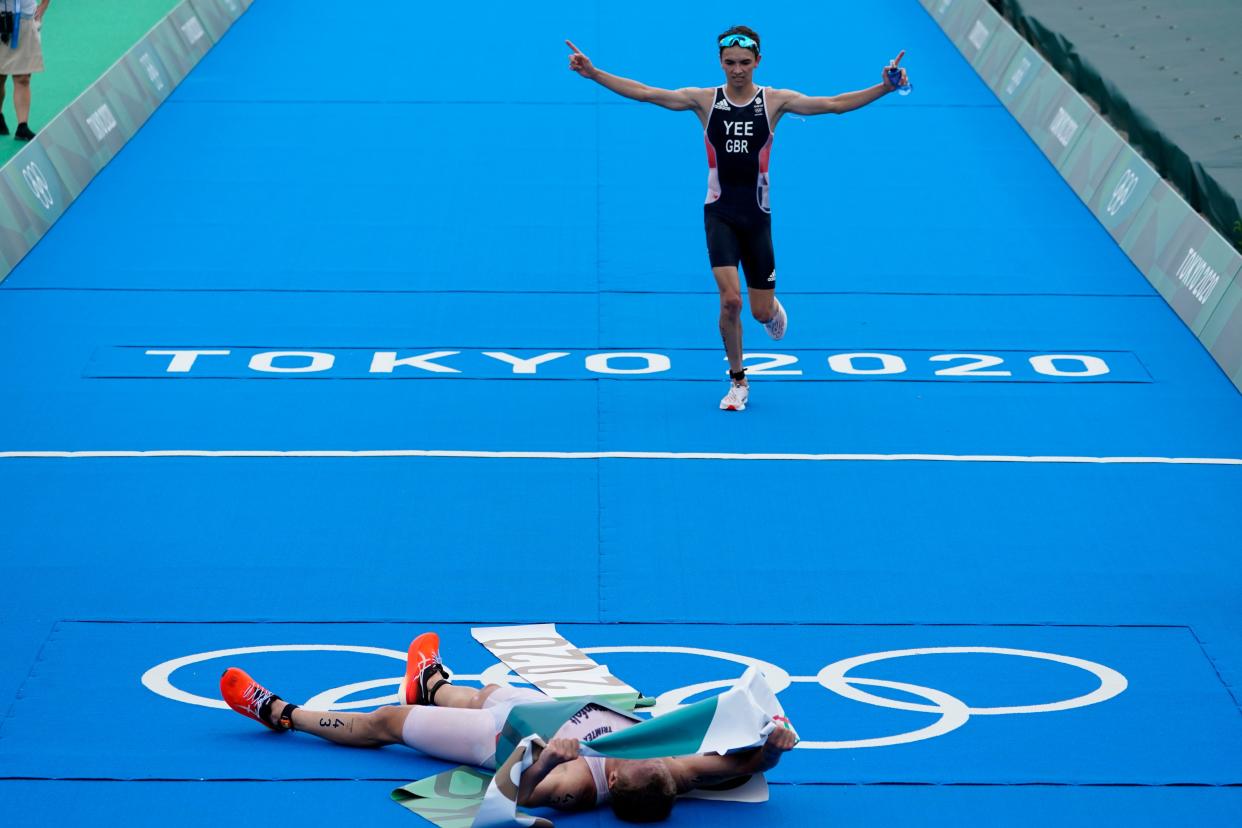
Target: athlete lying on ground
(461, 724)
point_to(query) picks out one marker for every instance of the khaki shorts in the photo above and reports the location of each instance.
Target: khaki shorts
(27, 58)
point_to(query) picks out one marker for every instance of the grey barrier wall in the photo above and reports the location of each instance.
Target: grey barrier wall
(1195, 268)
(40, 182)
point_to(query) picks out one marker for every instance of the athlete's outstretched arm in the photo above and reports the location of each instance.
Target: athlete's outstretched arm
(678, 99)
(691, 772)
(799, 104)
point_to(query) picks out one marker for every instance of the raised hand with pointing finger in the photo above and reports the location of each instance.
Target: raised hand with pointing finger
(893, 76)
(579, 62)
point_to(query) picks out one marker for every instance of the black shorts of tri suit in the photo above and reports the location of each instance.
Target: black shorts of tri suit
(741, 236)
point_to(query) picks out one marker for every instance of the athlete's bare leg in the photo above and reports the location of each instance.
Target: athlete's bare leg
(454, 735)
(375, 729)
(450, 695)
(730, 316)
(762, 304)
(379, 727)
(462, 734)
(434, 685)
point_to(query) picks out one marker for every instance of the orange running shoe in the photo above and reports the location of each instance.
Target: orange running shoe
(253, 700)
(422, 666)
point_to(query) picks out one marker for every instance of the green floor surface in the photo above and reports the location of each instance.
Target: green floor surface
(81, 39)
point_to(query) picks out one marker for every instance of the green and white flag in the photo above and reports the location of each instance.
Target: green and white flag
(738, 719)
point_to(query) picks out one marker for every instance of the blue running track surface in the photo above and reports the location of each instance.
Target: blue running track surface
(334, 352)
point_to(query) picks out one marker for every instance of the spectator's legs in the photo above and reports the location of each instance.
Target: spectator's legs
(21, 97)
(21, 103)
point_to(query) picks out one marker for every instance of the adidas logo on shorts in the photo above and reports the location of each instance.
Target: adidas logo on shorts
(722, 104)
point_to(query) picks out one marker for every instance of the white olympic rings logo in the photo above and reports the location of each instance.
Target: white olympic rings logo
(953, 712)
(38, 184)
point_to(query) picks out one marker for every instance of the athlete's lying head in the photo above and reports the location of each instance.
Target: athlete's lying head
(641, 790)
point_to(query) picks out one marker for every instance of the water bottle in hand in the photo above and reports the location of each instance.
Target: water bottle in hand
(893, 74)
(894, 79)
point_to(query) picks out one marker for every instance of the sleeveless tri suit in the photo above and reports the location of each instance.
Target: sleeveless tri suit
(736, 215)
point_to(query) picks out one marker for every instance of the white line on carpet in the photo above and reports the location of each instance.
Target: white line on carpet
(625, 455)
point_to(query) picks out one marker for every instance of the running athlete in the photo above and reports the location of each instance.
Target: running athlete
(739, 119)
(461, 724)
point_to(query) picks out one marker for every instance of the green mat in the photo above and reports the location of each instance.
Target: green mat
(81, 39)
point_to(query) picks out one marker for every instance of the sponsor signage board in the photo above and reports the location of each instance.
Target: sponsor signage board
(132, 100)
(151, 79)
(1123, 190)
(1085, 166)
(164, 48)
(955, 16)
(976, 32)
(992, 60)
(216, 15)
(32, 197)
(231, 9)
(1181, 255)
(1053, 114)
(196, 40)
(85, 137)
(1223, 333)
(1025, 67)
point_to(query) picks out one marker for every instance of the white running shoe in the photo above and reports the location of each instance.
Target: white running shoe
(776, 325)
(735, 400)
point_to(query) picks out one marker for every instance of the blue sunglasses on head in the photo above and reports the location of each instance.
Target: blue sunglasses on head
(739, 40)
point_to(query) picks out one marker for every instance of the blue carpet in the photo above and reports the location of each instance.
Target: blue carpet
(1175, 723)
(464, 192)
